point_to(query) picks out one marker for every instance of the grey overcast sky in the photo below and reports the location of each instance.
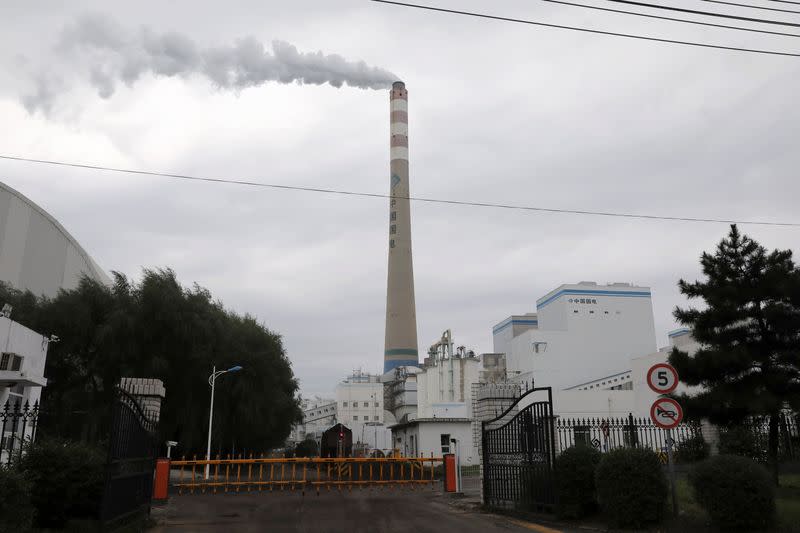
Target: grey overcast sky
(498, 112)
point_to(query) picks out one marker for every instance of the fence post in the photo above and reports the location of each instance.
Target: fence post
(634, 437)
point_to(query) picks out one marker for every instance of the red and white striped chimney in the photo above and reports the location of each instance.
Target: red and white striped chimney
(401, 316)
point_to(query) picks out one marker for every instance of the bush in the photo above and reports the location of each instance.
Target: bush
(736, 492)
(306, 448)
(16, 510)
(741, 441)
(631, 487)
(575, 487)
(691, 450)
(67, 480)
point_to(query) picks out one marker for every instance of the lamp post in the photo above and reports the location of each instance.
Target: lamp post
(211, 379)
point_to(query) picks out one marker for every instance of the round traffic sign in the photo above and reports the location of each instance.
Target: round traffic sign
(666, 413)
(662, 378)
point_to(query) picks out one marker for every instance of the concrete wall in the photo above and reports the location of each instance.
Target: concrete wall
(36, 252)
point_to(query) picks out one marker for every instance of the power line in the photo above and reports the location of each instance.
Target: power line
(587, 30)
(696, 12)
(785, 2)
(753, 7)
(687, 21)
(387, 196)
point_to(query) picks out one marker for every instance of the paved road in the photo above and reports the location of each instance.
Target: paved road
(367, 511)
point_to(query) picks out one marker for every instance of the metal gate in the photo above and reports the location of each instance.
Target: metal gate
(131, 459)
(518, 455)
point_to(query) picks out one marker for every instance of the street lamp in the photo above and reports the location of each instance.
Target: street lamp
(211, 379)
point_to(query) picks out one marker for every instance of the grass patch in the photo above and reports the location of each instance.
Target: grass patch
(787, 500)
(693, 517)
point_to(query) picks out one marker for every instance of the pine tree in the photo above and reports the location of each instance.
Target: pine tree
(749, 332)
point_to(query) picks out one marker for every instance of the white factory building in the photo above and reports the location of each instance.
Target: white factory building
(360, 407)
(447, 387)
(593, 344)
(579, 333)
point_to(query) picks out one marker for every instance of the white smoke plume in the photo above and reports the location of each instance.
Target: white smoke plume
(105, 54)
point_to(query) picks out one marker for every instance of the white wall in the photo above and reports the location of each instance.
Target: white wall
(24, 385)
(358, 402)
(585, 340)
(640, 365)
(593, 404)
(36, 252)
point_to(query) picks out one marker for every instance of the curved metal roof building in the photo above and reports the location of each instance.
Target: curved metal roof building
(36, 252)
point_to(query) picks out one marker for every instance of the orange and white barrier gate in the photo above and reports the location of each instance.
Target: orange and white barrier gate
(260, 473)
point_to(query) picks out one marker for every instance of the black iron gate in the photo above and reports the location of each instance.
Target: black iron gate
(518, 455)
(131, 460)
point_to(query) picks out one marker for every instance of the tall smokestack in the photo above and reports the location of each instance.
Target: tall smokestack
(401, 312)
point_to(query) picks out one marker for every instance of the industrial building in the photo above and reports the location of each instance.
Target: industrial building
(36, 252)
(360, 407)
(455, 389)
(319, 414)
(579, 333)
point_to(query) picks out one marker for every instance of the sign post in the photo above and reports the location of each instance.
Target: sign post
(666, 413)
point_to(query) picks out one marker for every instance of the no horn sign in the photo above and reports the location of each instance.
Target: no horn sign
(666, 413)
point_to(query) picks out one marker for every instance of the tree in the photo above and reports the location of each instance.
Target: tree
(158, 328)
(749, 332)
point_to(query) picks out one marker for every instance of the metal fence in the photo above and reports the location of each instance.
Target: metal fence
(747, 438)
(18, 423)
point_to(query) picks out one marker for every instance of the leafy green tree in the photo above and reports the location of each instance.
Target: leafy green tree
(160, 329)
(749, 332)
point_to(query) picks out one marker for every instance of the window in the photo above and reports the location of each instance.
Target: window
(377, 417)
(344, 404)
(393, 215)
(445, 439)
(355, 417)
(391, 243)
(392, 229)
(591, 312)
(10, 361)
(377, 404)
(582, 435)
(366, 404)
(575, 311)
(392, 202)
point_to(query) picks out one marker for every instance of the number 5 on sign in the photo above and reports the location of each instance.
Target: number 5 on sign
(662, 378)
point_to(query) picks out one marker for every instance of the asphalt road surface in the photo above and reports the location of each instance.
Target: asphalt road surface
(367, 511)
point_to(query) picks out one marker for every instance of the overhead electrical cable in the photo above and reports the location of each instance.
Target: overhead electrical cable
(697, 12)
(751, 6)
(687, 21)
(588, 30)
(387, 196)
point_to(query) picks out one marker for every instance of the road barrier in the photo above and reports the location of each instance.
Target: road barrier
(314, 473)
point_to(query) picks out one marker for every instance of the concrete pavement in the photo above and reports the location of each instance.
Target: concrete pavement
(360, 511)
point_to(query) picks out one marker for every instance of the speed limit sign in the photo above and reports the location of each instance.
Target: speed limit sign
(662, 378)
